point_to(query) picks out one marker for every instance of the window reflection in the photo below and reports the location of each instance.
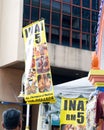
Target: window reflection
(66, 1)
(76, 39)
(46, 15)
(47, 32)
(76, 2)
(66, 8)
(85, 14)
(95, 4)
(56, 19)
(76, 23)
(45, 4)
(35, 14)
(94, 16)
(65, 37)
(56, 6)
(35, 2)
(76, 11)
(26, 12)
(25, 23)
(55, 35)
(66, 21)
(85, 41)
(93, 43)
(85, 26)
(26, 1)
(94, 27)
(86, 3)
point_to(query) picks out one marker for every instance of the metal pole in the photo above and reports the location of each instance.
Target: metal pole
(27, 117)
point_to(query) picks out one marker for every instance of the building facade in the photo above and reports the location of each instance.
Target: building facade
(71, 27)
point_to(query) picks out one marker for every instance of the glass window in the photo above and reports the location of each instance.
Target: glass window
(76, 23)
(45, 4)
(76, 39)
(65, 37)
(25, 23)
(26, 1)
(68, 1)
(35, 2)
(86, 3)
(55, 35)
(56, 6)
(76, 11)
(26, 13)
(46, 15)
(76, 2)
(94, 27)
(85, 14)
(35, 14)
(85, 26)
(66, 21)
(95, 4)
(47, 32)
(93, 43)
(85, 41)
(66, 8)
(94, 16)
(55, 19)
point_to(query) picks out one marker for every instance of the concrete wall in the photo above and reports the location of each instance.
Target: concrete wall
(70, 58)
(0, 20)
(11, 13)
(10, 84)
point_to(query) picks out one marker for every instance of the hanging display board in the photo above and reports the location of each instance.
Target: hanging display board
(73, 113)
(38, 78)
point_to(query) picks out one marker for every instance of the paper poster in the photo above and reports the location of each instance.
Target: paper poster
(38, 83)
(73, 114)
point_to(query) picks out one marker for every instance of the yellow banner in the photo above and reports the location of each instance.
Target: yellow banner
(73, 113)
(38, 81)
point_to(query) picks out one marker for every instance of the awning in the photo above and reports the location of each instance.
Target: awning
(75, 88)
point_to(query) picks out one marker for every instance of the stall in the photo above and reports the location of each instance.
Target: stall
(80, 88)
